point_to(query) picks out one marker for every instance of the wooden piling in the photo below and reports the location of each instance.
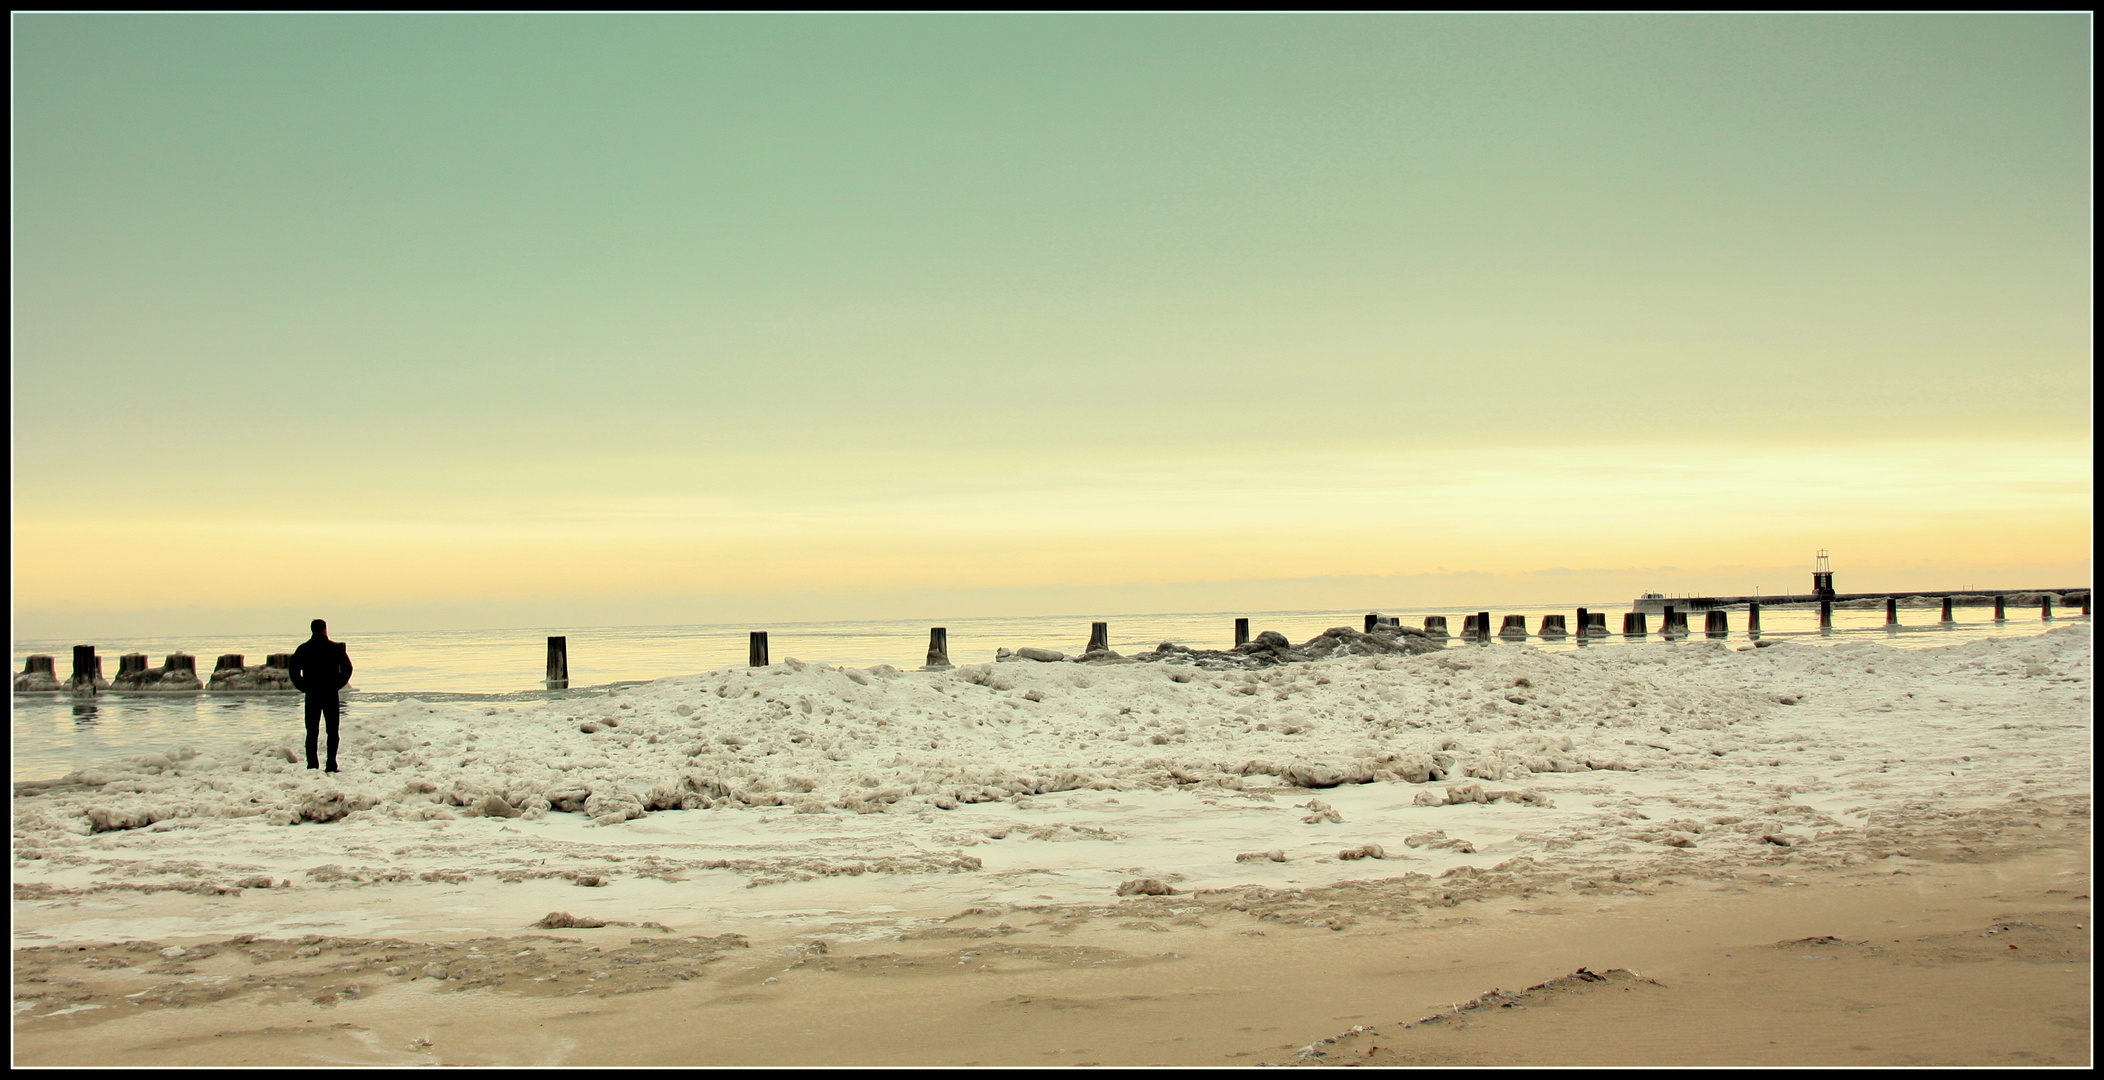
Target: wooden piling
(1436, 625)
(1891, 612)
(1826, 616)
(1716, 624)
(756, 651)
(1099, 637)
(1634, 624)
(2045, 607)
(1947, 620)
(1483, 626)
(1585, 624)
(2000, 613)
(1241, 632)
(938, 647)
(1753, 620)
(558, 663)
(87, 670)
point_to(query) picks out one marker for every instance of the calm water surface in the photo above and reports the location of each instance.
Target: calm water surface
(52, 734)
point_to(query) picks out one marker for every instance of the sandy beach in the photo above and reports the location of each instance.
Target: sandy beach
(1699, 853)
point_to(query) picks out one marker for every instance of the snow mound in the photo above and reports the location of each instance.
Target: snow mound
(820, 739)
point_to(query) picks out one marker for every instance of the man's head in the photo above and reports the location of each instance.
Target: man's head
(321, 629)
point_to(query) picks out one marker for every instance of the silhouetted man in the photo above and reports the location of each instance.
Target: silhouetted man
(322, 668)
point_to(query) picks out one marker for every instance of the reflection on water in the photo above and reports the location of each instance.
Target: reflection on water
(508, 666)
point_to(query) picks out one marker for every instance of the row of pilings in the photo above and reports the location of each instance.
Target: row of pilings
(178, 671)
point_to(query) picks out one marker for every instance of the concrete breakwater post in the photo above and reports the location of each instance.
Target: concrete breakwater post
(1099, 637)
(558, 663)
(1468, 628)
(229, 674)
(1634, 624)
(1826, 616)
(38, 673)
(1373, 619)
(2045, 607)
(1716, 625)
(938, 647)
(756, 649)
(1668, 626)
(1598, 625)
(1947, 620)
(1514, 626)
(1753, 620)
(1241, 632)
(2001, 613)
(1552, 626)
(2085, 604)
(1435, 625)
(178, 672)
(1891, 612)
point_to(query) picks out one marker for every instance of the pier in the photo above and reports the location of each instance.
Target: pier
(1706, 603)
(1823, 593)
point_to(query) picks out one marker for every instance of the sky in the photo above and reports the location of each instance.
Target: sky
(431, 322)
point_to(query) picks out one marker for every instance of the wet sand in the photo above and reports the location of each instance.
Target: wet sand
(1971, 950)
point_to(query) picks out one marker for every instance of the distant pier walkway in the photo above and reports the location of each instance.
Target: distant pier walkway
(1707, 603)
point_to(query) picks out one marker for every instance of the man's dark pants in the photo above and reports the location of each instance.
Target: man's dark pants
(318, 706)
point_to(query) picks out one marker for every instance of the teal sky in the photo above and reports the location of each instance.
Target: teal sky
(730, 306)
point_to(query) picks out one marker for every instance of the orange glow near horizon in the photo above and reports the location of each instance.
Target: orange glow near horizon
(1734, 520)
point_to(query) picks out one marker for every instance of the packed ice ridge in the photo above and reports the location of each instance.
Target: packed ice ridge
(1478, 723)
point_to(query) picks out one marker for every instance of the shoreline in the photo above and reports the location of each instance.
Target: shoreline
(1907, 963)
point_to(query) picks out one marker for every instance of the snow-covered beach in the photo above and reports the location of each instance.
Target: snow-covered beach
(726, 821)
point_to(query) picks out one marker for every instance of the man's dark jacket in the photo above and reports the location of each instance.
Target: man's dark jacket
(321, 666)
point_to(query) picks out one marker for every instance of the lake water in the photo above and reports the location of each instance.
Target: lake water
(52, 734)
